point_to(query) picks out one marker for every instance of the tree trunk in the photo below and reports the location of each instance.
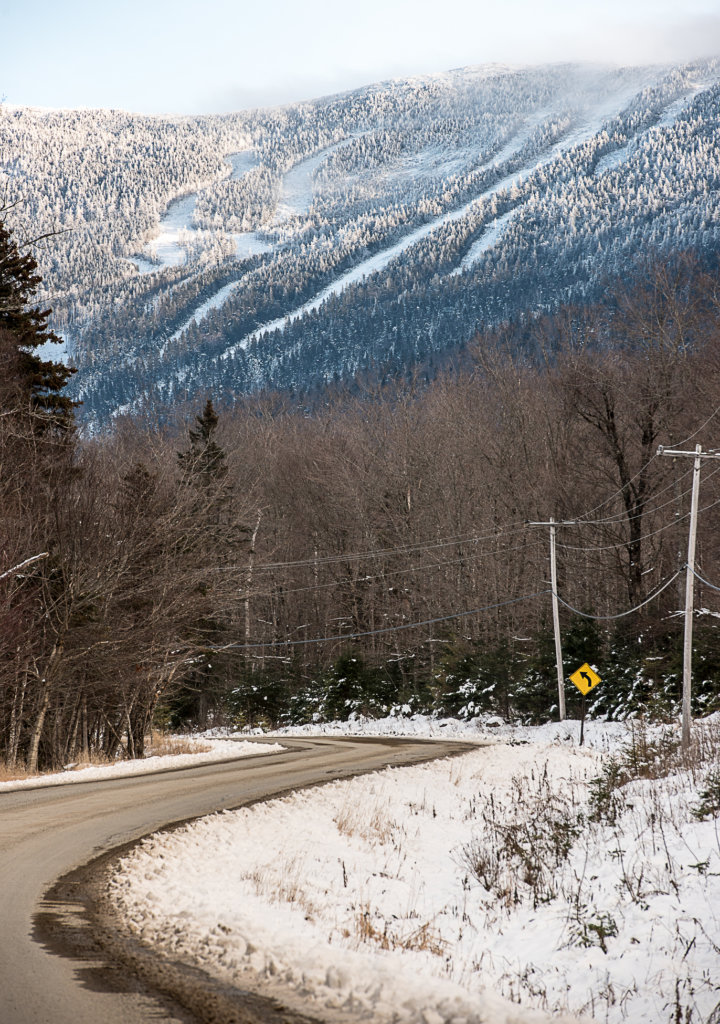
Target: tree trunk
(32, 761)
(16, 717)
(249, 579)
(43, 705)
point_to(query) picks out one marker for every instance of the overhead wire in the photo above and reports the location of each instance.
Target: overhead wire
(511, 530)
(474, 539)
(383, 629)
(624, 516)
(495, 535)
(619, 491)
(704, 581)
(474, 555)
(621, 615)
(508, 530)
(690, 437)
(642, 469)
(645, 536)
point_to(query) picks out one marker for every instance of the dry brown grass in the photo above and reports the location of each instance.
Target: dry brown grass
(374, 826)
(95, 759)
(422, 939)
(283, 885)
(162, 744)
(159, 745)
(19, 771)
(10, 774)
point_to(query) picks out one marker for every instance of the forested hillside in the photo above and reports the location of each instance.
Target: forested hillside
(258, 564)
(349, 348)
(375, 230)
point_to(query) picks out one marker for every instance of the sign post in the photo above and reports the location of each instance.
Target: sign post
(585, 678)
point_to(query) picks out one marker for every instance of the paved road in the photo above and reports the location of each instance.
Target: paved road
(47, 832)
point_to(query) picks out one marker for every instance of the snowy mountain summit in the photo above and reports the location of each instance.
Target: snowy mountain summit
(380, 228)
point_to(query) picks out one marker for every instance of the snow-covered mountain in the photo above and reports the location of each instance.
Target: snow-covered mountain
(292, 246)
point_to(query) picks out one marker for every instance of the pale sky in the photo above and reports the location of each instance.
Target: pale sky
(187, 57)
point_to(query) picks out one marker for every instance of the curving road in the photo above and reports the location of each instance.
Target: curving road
(46, 833)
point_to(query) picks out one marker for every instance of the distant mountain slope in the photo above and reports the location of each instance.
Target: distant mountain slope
(292, 246)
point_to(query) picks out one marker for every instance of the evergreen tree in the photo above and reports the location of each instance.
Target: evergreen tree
(204, 462)
(211, 539)
(37, 384)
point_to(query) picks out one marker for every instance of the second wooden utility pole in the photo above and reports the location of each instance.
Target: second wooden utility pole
(556, 611)
(698, 455)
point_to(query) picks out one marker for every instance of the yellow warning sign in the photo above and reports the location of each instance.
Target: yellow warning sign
(585, 678)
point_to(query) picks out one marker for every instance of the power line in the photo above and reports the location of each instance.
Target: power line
(511, 530)
(704, 581)
(619, 490)
(625, 516)
(507, 531)
(621, 615)
(384, 629)
(696, 432)
(645, 466)
(343, 580)
(645, 536)
(650, 511)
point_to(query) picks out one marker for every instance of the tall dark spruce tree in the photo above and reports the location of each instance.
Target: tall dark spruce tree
(35, 385)
(36, 460)
(203, 464)
(204, 471)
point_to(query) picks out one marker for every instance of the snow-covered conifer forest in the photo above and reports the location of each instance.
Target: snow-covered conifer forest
(249, 556)
(370, 231)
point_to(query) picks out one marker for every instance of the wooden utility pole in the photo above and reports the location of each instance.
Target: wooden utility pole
(556, 611)
(698, 455)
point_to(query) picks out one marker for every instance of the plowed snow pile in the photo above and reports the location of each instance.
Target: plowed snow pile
(502, 886)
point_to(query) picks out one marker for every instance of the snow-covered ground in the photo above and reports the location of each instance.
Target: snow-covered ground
(585, 128)
(249, 243)
(242, 162)
(602, 736)
(296, 195)
(668, 117)
(57, 353)
(219, 750)
(490, 237)
(168, 248)
(486, 887)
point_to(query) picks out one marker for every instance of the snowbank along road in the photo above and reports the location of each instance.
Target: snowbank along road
(52, 969)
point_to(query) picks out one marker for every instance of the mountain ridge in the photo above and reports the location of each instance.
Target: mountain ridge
(377, 226)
